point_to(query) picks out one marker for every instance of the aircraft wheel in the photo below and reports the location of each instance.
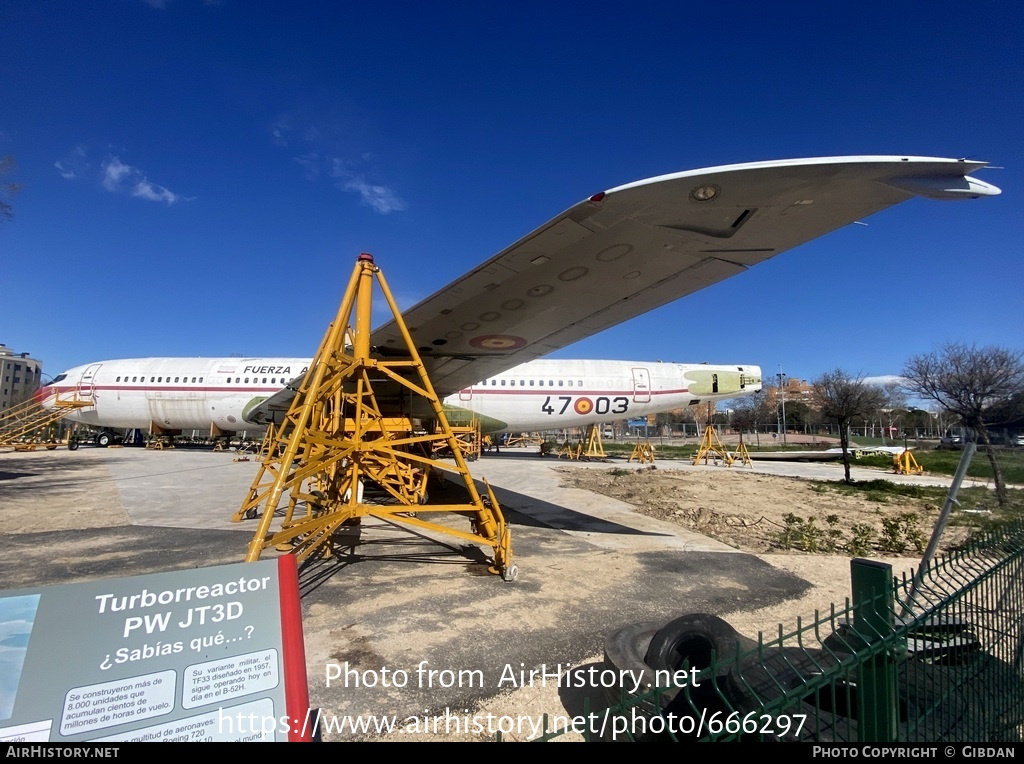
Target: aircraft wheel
(103, 439)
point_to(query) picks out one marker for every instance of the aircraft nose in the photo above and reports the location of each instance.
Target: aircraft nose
(41, 394)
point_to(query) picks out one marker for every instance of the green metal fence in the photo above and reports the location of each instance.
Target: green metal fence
(934, 657)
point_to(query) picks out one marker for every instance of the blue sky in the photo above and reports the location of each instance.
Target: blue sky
(197, 178)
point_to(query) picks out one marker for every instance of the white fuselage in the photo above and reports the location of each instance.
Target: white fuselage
(212, 394)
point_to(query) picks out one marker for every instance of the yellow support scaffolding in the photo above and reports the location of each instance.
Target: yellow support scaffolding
(349, 429)
(711, 446)
(642, 452)
(468, 436)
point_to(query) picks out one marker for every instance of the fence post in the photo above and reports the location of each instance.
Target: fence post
(873, 620)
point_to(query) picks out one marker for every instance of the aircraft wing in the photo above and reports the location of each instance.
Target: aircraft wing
(636, 247)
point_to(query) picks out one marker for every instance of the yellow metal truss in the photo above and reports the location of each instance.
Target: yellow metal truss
(349, 431)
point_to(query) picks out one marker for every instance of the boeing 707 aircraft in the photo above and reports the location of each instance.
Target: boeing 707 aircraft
(220, 395)
(609, 258)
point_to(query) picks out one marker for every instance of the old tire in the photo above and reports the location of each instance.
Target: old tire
(696, 641)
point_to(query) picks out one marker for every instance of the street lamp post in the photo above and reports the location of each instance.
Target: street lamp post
(782, 398)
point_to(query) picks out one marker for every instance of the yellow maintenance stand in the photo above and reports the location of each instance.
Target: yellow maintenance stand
(349, 427)
(906, 464)
(711, 446)
(595, 446)
(642, 452)
(25, 425)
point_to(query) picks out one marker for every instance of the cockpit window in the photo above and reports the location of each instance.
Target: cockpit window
(59, 378)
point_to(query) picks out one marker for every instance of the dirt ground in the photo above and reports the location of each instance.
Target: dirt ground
(762, 514)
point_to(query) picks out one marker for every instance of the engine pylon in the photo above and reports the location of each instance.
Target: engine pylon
(348, 447)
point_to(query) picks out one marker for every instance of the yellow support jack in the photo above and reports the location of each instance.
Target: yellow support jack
(906, 464)
(643, 452)
(741, 454)
(348, 428)
(595, 448)
(710, 445)
(570, 450)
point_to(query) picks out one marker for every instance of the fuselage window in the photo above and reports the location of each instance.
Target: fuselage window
(502, 383)
(159, 379)
(246, 380)
(570, 383)
(200, 380)
(264, 380)
(135, 379)
(193, 380)
(177, 379)
(560, 383)
(522, 382)
(118, 379)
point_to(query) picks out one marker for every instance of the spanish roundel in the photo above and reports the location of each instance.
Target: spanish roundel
(583, 405)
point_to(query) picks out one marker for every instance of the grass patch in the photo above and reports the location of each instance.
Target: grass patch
(881, 488)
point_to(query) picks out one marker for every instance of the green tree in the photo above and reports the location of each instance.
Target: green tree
(971, 383)
(842, 398)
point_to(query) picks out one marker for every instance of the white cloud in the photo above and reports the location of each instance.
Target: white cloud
(114, 172)
(885, 379)
(380, 198)
(119, 177)
(279, 131)
(73, 165)
(321, 157)
(310, 164)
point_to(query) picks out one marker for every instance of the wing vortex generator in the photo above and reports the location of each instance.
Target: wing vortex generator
(350, 431)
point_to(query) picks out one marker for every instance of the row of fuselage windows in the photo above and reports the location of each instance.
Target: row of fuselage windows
(532, 383)
(198, 380)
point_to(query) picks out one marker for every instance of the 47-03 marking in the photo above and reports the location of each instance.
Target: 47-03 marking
(584, 405)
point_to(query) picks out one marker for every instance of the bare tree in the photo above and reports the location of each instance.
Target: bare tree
(969, 382)
(7, 189)
(842, 398)
(751, 413)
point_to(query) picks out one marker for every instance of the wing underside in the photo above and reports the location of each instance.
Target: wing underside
(640, 246)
